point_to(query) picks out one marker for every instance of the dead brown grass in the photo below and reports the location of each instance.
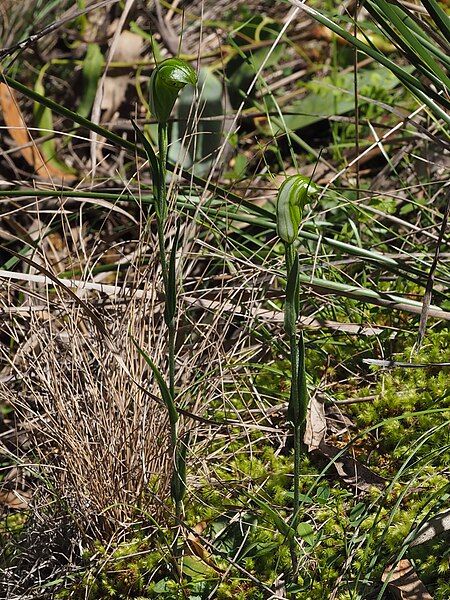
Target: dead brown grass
(101, 441)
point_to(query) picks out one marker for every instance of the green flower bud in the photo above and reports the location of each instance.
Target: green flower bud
(292, 197)
(166, 82)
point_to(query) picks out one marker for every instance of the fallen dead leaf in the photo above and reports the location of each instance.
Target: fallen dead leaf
(315, 424)
(338, 423)
(200, 527)
(16, 499)
(435, 527)
(403, 582)
(128, 49)
(15, 122)
(197, 548)
(351, 471)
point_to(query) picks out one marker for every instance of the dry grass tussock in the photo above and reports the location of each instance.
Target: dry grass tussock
(100, 439)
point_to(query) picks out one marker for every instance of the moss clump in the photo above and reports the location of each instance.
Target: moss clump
(118, 574)
(413, 409)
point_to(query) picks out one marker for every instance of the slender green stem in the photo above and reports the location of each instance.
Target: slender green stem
(161, 200)
(163, 210)
(162, 251)
(162, 215)
(290, 254)
(171, 327)
(296, 411)
(297, 455)
(162, 146)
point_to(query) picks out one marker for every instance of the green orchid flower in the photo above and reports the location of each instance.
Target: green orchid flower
(166, 82)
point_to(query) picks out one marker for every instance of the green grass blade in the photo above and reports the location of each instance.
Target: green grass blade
(388, 14)
(371, 296)
(441, 19)
(274, 517)
(440, 55)
(165, 393)
(425, 31)
(400, 42)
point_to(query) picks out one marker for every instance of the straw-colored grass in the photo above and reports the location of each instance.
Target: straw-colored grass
(102, 438)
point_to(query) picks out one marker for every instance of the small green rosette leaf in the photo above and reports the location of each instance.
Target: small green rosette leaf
(292, 197)
(166, 82)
